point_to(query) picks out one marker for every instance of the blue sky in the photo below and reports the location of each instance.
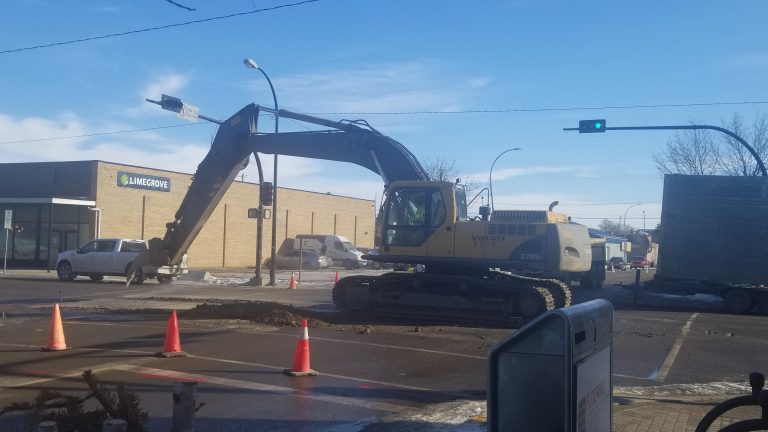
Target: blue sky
(365, 56)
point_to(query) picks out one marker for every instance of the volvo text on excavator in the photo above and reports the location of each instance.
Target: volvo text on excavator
(502, 266)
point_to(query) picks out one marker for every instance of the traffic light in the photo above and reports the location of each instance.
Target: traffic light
(265, 193)
(591, 126)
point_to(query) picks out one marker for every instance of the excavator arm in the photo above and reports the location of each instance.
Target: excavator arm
(237, 137)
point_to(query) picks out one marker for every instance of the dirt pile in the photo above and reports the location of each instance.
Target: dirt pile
(268, 313)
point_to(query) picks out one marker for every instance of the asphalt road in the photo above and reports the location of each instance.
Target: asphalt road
(388, 370)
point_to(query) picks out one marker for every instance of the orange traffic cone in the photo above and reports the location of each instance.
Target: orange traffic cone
(301, 357)
(337, 279)
(293, 282)
(56, 340)
(172, 346)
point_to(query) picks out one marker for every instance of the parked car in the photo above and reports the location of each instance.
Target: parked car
(309, 260)
(338, 248)
(617, 263)
(110, 257)
(640, 262)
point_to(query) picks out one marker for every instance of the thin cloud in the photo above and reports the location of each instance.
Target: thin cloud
(169, 82)
(756, 60)
(136, 149)
(393, 87)
(479, 82)
(507, 173)
(582, 209)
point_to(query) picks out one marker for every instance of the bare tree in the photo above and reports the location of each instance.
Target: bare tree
(691, 152)
(698, 152)
(737, 160)
(440, 169)
(615, 228)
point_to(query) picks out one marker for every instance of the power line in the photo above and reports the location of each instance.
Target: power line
(629, 218)
(565, 204)
(525, 110)
(99, 133)
(157, 28)
(479, 111)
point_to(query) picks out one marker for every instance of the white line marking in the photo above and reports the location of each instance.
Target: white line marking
(22, 381)
(401, 348)
(305, 393)
(670, 360)
(106, 323)
(630, 376)
(276, 333)
(342, 377)
(81, 349)
(151, 355)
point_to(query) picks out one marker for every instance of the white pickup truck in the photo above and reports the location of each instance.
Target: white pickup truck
(111, 257)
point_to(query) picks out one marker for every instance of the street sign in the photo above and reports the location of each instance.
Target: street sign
(189, 112)
(8, 224)
(558, 364)
(185, 111)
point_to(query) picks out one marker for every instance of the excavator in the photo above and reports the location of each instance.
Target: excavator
(500, 266)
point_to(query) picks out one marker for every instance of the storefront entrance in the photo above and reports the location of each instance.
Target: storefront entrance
(62, 241)
(41, 231)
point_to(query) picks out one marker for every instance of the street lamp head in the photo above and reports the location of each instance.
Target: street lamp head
(250, 63)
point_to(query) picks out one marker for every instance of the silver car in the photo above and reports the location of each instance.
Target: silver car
(309, 261)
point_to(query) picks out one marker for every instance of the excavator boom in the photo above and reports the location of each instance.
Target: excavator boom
(237, 137)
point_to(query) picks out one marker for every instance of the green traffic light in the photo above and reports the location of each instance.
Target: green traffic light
(592, 126)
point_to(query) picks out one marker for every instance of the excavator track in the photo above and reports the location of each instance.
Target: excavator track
(559, 289)
(496, 297)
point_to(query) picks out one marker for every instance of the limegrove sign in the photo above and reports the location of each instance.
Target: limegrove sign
(143, 181)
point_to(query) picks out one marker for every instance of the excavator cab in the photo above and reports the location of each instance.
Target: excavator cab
(418, 220)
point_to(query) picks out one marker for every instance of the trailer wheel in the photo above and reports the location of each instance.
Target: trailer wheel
(593, 279)
(762, 304)
(738, 301)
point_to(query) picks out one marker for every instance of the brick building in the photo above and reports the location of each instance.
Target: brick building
(59, 205)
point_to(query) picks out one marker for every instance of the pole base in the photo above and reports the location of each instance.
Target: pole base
(300, 374)
(256, 281)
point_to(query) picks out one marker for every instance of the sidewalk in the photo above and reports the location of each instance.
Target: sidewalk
(629, 415)
(193, 273)
(672, 416)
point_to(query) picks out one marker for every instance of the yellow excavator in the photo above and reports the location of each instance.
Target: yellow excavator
(500, 266)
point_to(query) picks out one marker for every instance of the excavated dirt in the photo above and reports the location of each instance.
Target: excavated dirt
(273, 314)
(280, 315)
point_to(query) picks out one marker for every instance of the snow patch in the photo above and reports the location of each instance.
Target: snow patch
(718, 389)
(215, 280)
(705, 298)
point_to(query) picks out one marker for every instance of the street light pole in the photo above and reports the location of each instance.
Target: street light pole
(626, 255)
(625, 216)
(490, 174)
(249, 63)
